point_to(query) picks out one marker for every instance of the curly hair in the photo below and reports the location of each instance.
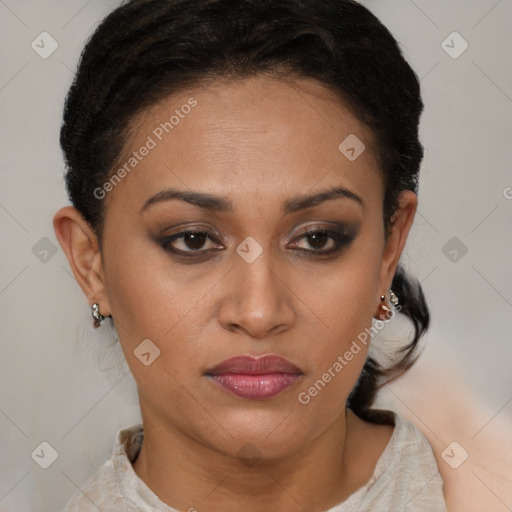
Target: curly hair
(146, 50)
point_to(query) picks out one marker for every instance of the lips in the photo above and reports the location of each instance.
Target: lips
(255, 378)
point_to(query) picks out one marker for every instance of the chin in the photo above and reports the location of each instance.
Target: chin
(266, 435)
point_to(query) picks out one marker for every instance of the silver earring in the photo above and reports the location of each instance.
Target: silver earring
(393, 298)
(387, 311)
(98, 317)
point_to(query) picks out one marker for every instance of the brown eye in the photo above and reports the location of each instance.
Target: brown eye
(322, 241)
(194, 240)
(317, 240)
(189, 242)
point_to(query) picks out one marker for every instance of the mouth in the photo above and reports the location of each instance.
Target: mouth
(255, 378)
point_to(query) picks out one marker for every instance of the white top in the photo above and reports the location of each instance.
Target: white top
(406, 478)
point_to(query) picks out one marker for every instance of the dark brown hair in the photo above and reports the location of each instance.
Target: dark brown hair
(147, 49)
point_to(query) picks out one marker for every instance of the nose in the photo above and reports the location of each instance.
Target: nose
(256, 300)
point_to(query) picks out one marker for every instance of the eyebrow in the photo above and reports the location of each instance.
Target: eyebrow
(222, 204)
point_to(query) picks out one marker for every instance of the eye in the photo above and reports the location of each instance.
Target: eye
(322, 241)
(318, 242)
(190, 242)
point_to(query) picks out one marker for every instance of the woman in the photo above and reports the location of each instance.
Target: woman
(243, 178)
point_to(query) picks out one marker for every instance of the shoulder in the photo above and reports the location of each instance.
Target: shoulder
(410, 443)
(99, 491)
(103, 489)
(406, 476)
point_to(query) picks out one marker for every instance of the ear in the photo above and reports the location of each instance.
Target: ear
(80, 244)
(395, 243)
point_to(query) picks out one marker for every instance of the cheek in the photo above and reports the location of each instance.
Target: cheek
(344, 296)
(341, 303)
(323, 395)
(337, 361)
(342, 344)
(148, 294)
(151, 297)
(147, 305)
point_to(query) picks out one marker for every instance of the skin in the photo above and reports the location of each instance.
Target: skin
(482, 482)
(257, 142)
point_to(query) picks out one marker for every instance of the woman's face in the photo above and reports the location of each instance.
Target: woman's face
(248, 154)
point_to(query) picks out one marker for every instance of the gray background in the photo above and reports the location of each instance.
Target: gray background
(64, 383)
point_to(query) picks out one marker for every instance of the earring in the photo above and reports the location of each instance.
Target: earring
(98, 317)
(387, 311)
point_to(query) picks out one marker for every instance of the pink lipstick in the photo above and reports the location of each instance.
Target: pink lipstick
(255, 378)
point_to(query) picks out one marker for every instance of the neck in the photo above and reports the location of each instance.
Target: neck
(186, 474)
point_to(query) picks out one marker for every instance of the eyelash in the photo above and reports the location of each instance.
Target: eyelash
(341, 240)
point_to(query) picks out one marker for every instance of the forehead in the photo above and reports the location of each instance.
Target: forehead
(249, 136)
